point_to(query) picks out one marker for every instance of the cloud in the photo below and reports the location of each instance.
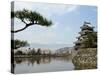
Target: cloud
(46, 34)
(46, 9)
(69, 29)
(72, 8)
(44, 38)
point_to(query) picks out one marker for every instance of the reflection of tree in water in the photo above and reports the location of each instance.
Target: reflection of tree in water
(46, 60)
(18, 61)
(31, 61)
(40, 60)
(66, 59)
(37, 60)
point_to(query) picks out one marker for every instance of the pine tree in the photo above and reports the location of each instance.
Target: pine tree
(29, 18)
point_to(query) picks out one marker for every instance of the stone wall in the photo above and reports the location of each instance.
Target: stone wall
(85, 59)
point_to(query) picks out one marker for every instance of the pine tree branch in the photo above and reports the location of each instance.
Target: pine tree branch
(23, 21)
(27, 25)
(30, 18)
(19, 29)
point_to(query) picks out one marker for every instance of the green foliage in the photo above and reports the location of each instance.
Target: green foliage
(91, 40)
(32, 52)
(38, 52)
(30, 18)
(18, 43)
(19, 53)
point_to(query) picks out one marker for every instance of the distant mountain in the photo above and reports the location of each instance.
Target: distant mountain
(64, 50)
(52, 47)
(48, 46)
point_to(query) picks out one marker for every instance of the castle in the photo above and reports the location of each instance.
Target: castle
(85, 29)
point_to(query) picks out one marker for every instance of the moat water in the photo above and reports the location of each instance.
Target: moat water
(46, 64)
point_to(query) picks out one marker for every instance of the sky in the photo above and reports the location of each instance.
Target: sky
(67, 20)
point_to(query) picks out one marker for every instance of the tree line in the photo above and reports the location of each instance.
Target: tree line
(33, 51)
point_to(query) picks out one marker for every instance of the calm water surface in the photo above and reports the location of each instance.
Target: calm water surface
(42, 64)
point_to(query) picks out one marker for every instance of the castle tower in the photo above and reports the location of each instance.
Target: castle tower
(85, 29)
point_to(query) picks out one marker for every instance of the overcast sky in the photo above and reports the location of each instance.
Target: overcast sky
(66, 19)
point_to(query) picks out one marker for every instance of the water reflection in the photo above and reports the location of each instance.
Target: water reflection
(45, 64)
(42, 64)
(40, 60)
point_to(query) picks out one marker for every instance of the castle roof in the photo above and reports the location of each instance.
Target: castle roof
(87, 26)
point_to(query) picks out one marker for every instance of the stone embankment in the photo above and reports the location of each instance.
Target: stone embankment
(85, 59)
